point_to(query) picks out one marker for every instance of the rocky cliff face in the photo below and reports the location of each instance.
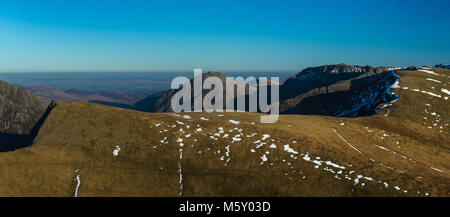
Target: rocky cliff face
(20, 110)
(337, 90)
(444, 66)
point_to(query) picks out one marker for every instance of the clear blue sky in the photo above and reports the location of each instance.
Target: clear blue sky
(259, 35)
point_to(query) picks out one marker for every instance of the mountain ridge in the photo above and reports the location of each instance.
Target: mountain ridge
(357, 81)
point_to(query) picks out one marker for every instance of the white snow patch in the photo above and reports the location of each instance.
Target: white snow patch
(186, 117)
(329, 163)
(381, 147)
(433, 80)
(78, 185)
(116, 151)
(422, 91)
(235, 139)
(265, 136)
(445, 91)
(289, 149)
(430, 93)
(348, 143)
(395, 85)
(180, 171)
(164, 140)
(428, 71)
(263, 158)
(234, 122)
(205, 119)
(437, 169)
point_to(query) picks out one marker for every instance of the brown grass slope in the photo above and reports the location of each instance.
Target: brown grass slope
(394, 153)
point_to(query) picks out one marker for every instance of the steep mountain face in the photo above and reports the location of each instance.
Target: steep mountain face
(20, 110)
(337, 90)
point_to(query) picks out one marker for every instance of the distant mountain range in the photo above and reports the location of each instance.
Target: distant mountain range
(48, 94)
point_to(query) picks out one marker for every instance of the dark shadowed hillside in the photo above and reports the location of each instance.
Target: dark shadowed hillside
(20, 110)
(338, 90)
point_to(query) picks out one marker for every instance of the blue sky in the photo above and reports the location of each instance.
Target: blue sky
(227, 36)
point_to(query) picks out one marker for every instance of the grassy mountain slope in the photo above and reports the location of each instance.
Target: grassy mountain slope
(393, 153)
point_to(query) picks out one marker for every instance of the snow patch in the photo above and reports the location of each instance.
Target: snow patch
(348, 143)
(433, 80)
(234, 122)
(265, 136)
(395, 85)
(236, 139)
(116, 151)
(437, 169)
(289, 149)
(428, 71)
(78, 185)
(263, 158)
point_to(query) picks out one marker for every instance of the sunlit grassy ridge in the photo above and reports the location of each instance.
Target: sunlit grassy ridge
(394, 153)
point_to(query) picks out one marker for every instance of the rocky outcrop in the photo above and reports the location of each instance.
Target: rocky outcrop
(337, 90)
(444, 66)
(20, 111)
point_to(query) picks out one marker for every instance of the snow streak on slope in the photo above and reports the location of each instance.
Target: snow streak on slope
(348, 143)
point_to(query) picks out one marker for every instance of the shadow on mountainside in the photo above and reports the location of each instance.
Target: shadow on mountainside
(11, 142)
